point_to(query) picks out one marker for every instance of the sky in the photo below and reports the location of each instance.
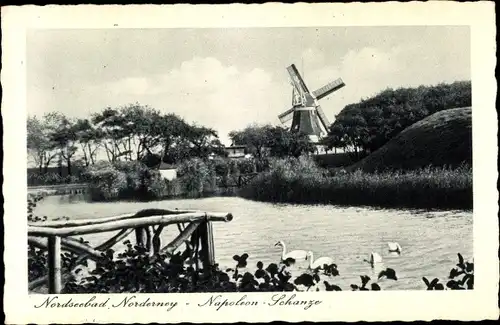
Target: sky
(229, 78)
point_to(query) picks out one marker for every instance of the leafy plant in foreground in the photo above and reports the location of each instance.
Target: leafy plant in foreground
(461, 277)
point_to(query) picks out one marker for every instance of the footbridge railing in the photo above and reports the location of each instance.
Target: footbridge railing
(195, 230)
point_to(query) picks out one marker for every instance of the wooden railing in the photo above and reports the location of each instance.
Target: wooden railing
(147, 225)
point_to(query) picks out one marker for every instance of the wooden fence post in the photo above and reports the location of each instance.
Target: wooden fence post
(208, 248)
(140, 236)
(54, 264)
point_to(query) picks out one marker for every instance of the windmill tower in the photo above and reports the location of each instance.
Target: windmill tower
(306, 114)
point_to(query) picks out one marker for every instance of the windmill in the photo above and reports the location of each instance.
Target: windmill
(306, 114)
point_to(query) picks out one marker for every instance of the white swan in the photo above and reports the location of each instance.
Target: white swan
(319, 263)
(374, 259)
(394, 247)
(296, 255)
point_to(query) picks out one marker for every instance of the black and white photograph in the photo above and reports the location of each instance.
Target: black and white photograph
(284, 159)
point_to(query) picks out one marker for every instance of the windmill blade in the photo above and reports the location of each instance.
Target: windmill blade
(322, 117)
(328, 88)
(286, 116)
(297, 81)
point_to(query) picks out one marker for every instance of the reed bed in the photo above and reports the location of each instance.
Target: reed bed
(301, 181)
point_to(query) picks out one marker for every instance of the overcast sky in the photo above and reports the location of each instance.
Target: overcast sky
(229, 78)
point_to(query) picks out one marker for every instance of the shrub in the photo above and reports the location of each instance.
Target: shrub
(142, 182)
(124, 180)
(246, 166)
(105, 182)
(221, 166)
(196, 176)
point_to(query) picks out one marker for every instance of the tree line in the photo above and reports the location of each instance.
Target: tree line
(368, 125)
(131, 132)
(140, 133)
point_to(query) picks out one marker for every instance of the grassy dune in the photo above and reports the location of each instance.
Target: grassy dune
(442, 139)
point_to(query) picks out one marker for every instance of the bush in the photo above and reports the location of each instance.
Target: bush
(124, 180)
(142, 182)
(225, 166)
(301, 181)
(196, 176)
(221, 166)
(246, 166)
(105, 182)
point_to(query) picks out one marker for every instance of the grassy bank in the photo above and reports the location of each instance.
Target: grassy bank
(301, 181)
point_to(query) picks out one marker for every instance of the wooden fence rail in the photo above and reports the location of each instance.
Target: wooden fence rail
(148, 226)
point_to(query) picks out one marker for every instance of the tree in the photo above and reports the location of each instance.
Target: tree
(64, 137)
(254, 137)
(108, 123)
(40, 145)
(172, 132)
(203, 140)
(282, 143)
(143, 128)
(335, 138)
(89, 138)
(140, 132)
(272, 140)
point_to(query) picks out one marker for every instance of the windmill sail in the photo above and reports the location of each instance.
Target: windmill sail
(297, 81)
(328, 88)
(286, 116)
(323, 118)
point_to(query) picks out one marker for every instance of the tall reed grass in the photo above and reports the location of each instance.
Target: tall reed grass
(301, 181)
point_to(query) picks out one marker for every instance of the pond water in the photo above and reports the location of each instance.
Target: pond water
(430, 241)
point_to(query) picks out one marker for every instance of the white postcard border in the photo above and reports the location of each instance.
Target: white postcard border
(342, 306)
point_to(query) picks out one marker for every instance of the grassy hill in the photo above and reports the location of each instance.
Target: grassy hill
(441, 139)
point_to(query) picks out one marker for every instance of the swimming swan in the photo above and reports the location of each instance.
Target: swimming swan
(394, 248)
(374, 259)
(319, 263)
(296, 255)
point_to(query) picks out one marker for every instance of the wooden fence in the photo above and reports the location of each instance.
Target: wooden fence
(193, 226)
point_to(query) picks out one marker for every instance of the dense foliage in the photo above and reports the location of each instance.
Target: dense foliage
(134, 271)
(371, 123)
(196, 176)
(124, 180)
(269, 140)
(301, 181)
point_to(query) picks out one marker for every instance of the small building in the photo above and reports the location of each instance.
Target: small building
(167, 171)
(235, 151)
